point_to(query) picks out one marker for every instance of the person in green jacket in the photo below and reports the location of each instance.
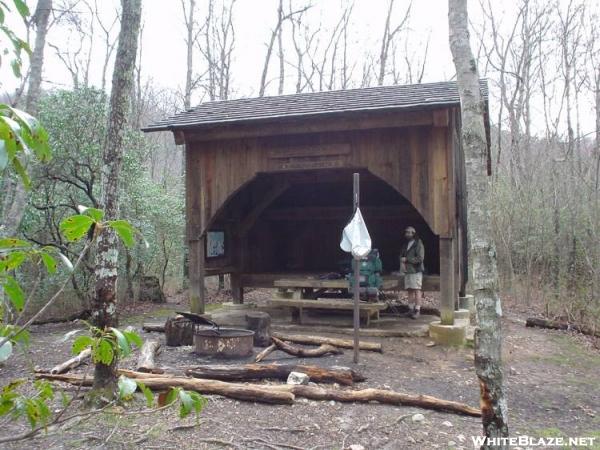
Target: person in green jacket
(412, 256)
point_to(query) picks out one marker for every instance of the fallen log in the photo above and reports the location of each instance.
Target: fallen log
(300, 352)
(153, 327)
(146, 361)
(381, 396)
(69, 364)
(318, 340)
(283, 393)
(558, 325)
(273, 393)
(262, 355)
(238, 391)
(340, 375)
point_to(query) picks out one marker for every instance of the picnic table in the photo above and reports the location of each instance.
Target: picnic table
(299, 294)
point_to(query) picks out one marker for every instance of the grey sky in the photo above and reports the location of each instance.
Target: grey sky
(163, 58)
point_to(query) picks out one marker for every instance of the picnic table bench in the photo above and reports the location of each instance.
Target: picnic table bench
(367, 310)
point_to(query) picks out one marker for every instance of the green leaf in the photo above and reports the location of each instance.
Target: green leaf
(81, 343)
(104, 352)
(13, 243)
(6, 351)
(14, 292)
(127, 387)
(13, 260)
(22, 8)
(122, 342)
(94, 213)
(172, 396)
(125, 231)
(49, 262)
(133, 337)
(75, 227)
(186, 404)
(147, 393)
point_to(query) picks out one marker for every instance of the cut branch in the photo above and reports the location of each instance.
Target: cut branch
(318, 340)
(69, 364)
(300, 352)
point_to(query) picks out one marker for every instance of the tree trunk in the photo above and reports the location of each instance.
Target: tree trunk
(14, 193)
(40, 17)
(482, 254)
(104, 303)
(340, 375)
(187, 100)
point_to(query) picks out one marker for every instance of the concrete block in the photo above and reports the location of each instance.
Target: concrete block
(462, 316)
(450, 335)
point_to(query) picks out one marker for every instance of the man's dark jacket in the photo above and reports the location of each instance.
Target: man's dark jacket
(415, 256)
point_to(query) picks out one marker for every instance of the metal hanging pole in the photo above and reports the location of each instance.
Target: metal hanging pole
(356, 275)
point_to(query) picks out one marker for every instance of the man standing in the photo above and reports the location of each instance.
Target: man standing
(411, 264)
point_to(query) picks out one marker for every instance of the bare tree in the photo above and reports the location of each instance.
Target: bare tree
(281, 19)
(217, 48)
(104, 311)
(110, 41)
(482, 254)
(388, 38)
(192, 32)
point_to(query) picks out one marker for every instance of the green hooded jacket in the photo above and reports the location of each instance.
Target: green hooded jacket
(415, 256)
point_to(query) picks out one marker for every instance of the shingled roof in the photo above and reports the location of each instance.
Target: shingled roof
(264, 109)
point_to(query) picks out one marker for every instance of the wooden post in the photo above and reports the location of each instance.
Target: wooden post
(447, 285)
(356, 276)
(196, 268)
(237, 290)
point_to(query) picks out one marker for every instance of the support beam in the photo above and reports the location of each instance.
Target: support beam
(196, 274)
(447, 285)
(261, 206)
(237, 289)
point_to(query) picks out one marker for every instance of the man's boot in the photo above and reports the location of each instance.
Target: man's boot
(415, 313)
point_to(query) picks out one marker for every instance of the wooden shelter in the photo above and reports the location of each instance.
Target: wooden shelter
(269, 182)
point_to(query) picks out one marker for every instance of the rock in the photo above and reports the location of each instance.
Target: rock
(150, 290)
(298, 378)
(513, 371)
(430, 344)
(418, 418)
(451, 444)
(446, 423)
(356, 447)
(461, 438)
(332, 402)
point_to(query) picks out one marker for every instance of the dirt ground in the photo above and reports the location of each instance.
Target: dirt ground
(552, 381)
